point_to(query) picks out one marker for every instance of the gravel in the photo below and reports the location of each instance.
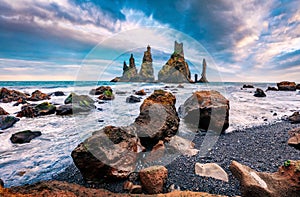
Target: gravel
(263, 148)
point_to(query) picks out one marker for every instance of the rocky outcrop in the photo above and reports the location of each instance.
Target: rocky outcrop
(38, 96)
(259, 93)
(80, 103)
(295, 118)
(203, 75)
(286, 86)
(100, 90)
(294, 139)
(7, 121)
(211, 170)
(7, 96)
(146, 73)
(176, 70)
(153, 179)
(271, 88)
(24, 136)
(110, 153)
(129, 72)
(206, 110)
(158, 117)
(3, 112)
(59, 189)
(248, 86)
(32, 110)
(283, 183)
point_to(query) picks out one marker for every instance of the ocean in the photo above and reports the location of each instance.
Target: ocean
(50, 153)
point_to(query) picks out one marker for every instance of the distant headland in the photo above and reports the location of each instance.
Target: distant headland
(176, 69)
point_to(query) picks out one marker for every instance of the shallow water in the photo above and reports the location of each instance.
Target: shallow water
(49, 154)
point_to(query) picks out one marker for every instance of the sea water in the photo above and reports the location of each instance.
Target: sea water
(49, 154)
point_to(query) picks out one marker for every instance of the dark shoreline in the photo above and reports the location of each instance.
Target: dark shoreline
(263, 148)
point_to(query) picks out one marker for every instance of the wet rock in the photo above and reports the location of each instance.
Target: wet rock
(286, 86)
(24, 136)
(110, 153)
(20, 101)
(294, 139)
(7, 96)
(106, 96)
(7, 121)
(27, 111)
(272, 89)
(101, 90)
(45, 108)
(158, 117)
(140, 92)
(211, 170)
(1, 183)
(259, 93)
(38, 96)
(295, 118)
(180, 86)
(176, 70)
(3, 112)
(58, 93)
(283, 183)
(64, 110)
(133, 99)
(153, 179)
(121, 92)
(206, 110)
(298, 86)
(248, 86)
(80, 103)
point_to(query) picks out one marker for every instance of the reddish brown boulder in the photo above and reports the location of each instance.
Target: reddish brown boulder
(206, 110)
(7, 96)
(295, 118)
(283, 183)
(140, 92)
(38, 96)
(294, 139)
(27, 111)
(286, 86)
(110, 153)
(3, 112)
(153, 179)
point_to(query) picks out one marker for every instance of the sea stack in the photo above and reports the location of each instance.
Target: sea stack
(129, 72)
(176, 70)
(203, 75)
(146, 73)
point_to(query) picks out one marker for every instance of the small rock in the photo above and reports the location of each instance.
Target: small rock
(64, 110)
(20, 101)
(211, 170)
(294, 118)
(153, 179)
(24, 136)
(100, 120)
(259, 93)
(58, 93)
(3, 112)
(7, 121)
(180, 86)
(294, 139)
(275, 114)
(140, 92)
(132, 99)
(173, 187)
(272, 89)
(248, 86)
(1, 183)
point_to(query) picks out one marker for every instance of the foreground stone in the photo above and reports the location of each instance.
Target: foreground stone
(211, 170)
(286, 86)
(32, 110)
(295, 118)
(7, 121)
(80, 103)
(259, 93)
(24, 136)
(206, 110)
(3, 112)
(283, 183)
(153, 179)
(110, 153)
(294, 139)
(64, 189)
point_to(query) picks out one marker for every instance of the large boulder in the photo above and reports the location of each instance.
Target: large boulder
(295, 118)
(283, 183)
(294, 139)
(3, 112)
(24, 136)
(80, 103)
(286, 86)
(7, 95)
(206, 110)
(7, 121)
(176, 70)
(158, 118)
(100, 90)
(110, 153)
(38, 96)
(153, 179)
(32, 110)
(27, 111)
(259, 93)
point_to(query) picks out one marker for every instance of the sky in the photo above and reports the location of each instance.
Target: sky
(245, 41)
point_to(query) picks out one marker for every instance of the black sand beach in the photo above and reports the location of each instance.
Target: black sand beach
(262, 148)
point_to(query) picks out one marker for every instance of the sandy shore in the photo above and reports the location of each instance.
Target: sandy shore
(262, 148)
